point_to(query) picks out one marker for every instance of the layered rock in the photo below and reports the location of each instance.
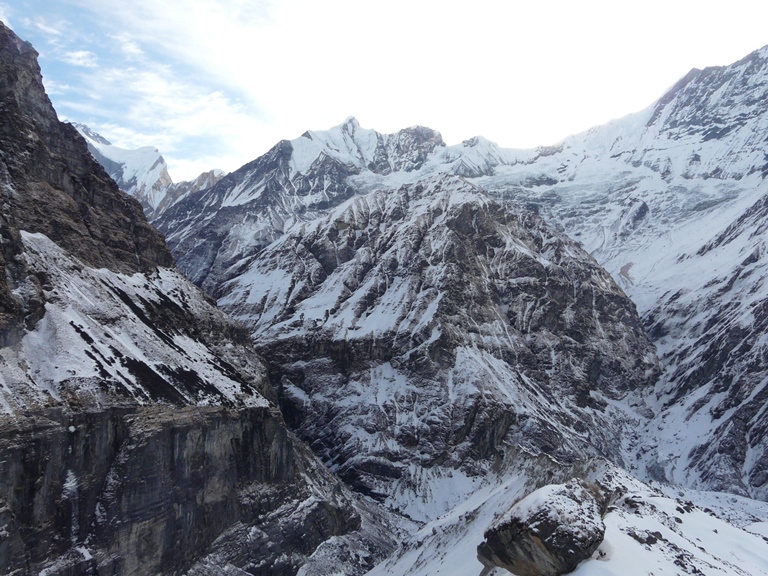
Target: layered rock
(148, 490)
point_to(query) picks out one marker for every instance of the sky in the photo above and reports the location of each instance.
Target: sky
(216, 83)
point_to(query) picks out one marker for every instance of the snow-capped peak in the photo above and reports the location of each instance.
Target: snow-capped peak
(142, 172)
(90, 135)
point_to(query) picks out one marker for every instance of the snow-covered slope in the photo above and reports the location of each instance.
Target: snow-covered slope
(647, 529)
(109, 339)
(671, 201)
(143, 173)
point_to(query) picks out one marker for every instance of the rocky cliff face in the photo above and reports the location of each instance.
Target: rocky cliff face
(148, 490)
(51, 185)
(138, 431)
(423, 330)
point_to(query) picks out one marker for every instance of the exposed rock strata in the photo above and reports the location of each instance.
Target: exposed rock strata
(148, 490)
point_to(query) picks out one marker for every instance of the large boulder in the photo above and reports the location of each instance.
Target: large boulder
(548, 532)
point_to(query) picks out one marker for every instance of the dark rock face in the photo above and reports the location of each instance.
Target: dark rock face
(50, 184)
(148, 490)
(548, 532)
(431, 325)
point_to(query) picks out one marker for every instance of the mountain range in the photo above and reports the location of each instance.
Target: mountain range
(669, 200)
(439, 354)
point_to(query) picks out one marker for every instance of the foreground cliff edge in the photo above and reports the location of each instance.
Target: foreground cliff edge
(137, 427)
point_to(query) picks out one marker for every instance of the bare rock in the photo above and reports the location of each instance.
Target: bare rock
(548, 532)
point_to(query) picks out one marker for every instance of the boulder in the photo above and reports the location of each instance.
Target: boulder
(548, 532)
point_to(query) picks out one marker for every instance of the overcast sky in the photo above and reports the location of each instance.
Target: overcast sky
(216, 83)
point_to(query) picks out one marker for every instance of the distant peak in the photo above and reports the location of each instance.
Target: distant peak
(350, 125)
(477, 140)
(423, 133)
(90, 134)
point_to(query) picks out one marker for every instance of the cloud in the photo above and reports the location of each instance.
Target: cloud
(43, 25)
(54, 88)
(195, 127)
(5, 15)
(82, 58)
(130, 48)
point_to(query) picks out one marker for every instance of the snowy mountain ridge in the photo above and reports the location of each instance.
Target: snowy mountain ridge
(669, 200)
(446, 353)
(143, 173)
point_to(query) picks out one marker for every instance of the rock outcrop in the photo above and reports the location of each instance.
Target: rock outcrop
(547, 533)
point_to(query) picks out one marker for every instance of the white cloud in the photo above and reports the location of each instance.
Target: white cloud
(82, 58)
(5, 15)
(129, 46)
(149, 105)
(49, 28)
(54, 88)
